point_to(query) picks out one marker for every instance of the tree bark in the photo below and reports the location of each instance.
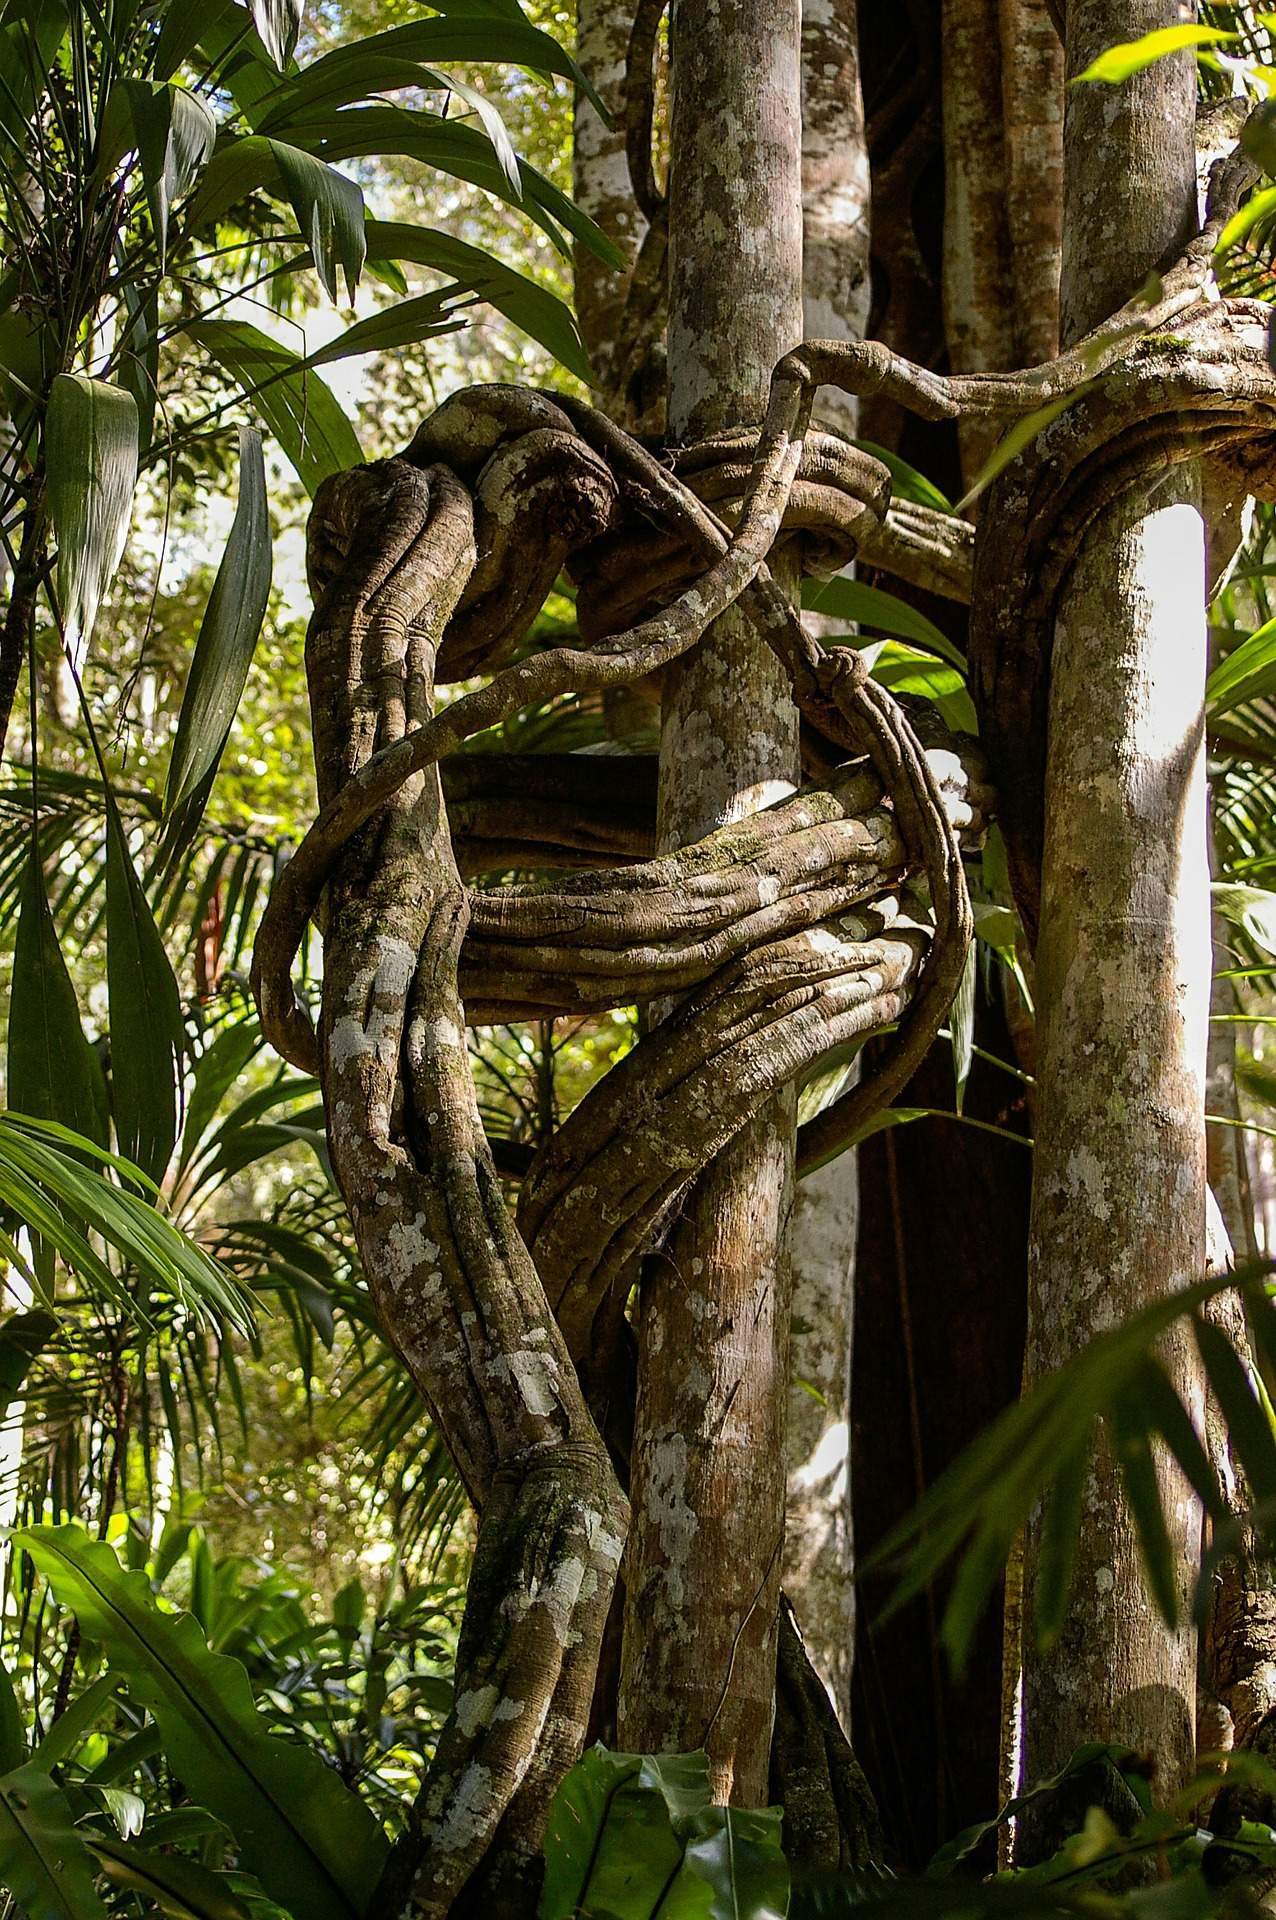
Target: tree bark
(600, 182)
(708, 1458)
(835, 293)
(1123, 964)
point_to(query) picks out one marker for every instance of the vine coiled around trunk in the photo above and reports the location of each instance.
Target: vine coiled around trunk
(788, 933)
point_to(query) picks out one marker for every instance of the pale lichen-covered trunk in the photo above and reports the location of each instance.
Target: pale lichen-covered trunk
(1003, 118)
(1123, 962)
(707, 1472)
(818, 1572)
(600, 181)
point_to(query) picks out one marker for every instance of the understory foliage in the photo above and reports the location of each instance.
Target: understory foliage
(237, 1552)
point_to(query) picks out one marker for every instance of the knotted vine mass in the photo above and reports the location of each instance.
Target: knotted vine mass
(783, 937)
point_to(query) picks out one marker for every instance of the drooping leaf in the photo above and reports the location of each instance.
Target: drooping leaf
(1120, 62)
(311, 1842)
(227, 638)
(22, 1337)
(175, 131)
(44, 1862)
(177, 1886)
(453, 148)
(45, 1182)
(278, 23)
(1247, 1420)
(422, 318)
(147, 1037)
(1133, 1446)
(90, 450)
(329, 210)
(303, 414)
(380, 62)
(535, 310)
(53, 1072)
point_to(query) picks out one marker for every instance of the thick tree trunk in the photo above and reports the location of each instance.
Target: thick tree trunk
(1123, 963)
(601, 185)
(708, 1458)
(835, 292)
(1003, 115)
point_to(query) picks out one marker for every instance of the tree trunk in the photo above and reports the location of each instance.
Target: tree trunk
(601, 187)
(707, 1470)
(1123, 963)
(818, 1572)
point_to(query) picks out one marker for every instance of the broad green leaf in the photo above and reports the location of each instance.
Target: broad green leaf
(329, 210)
(147, 1037)
(737, 1852)
(90, 450)
(902, 670)
(610, 1848)
(843, 599)
(311, 1842)
(1248, 672)
(53, 1072)
(175, 131)
(277, 22)
(407, 321)
(302, 413)
(44, 1862)
(227, 638)
(539, 313)
(178, 1887)
(1131, 56)
(183, 26)
(13, 1743)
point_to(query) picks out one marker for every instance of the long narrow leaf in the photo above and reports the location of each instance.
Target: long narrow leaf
(301, 412)
(147, 1038)
(227, 638)
(44, 1862)
(90, 450)
(311, 1842)
(53, 1072)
